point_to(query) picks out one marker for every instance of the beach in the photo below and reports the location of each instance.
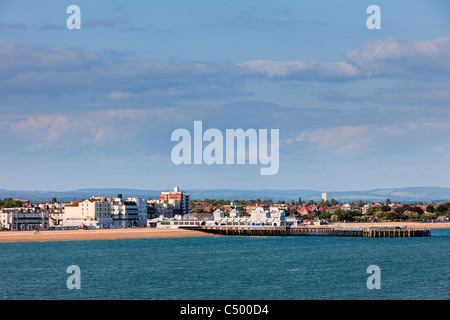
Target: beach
(97, 234)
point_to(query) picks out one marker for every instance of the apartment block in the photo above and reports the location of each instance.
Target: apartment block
(24, 219)
(179, 200)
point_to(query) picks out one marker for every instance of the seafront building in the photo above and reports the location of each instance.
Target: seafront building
(93, 212)
(103, 212)
(160, 208)
(178, 199)
(24, 219)
(120, 212)
(55, 213)
(259, 217)
(130, 212)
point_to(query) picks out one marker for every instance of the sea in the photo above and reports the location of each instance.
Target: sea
(229, 268)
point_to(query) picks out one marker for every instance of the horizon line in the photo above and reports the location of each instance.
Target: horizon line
(213, 189)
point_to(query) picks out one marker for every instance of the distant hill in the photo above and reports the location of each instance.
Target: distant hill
(410, 194)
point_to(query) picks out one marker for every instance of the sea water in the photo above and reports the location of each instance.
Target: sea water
(229, 268)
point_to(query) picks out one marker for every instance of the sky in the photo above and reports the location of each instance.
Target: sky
(356, 108)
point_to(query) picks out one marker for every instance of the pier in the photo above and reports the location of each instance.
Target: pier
(370, 232)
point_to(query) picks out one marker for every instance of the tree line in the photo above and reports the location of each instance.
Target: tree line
(220, 202)
(385, 212)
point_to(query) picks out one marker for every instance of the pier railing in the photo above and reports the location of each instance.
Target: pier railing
(378, 232)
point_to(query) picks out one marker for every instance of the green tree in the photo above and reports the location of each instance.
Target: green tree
(392, 215)
(321, 203)
(11, 203)
(411, 215)
(443, 208)
(428, 215)
(431, 208)
(325, 215)
(416, 209)
(399, 210)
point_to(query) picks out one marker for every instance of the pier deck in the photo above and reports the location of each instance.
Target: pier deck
(371, 232)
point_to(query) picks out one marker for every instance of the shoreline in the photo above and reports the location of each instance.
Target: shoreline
(96, 234)
(145, 233)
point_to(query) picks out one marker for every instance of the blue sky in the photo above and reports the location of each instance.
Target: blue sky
(356, 108)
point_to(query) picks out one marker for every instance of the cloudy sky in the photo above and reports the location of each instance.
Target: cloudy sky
(95, 108)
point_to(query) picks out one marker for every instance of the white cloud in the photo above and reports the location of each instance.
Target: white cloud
(31, 70)
(388, 57)
(341, 139)
(344, 139)
(307, 70)
(399, 58)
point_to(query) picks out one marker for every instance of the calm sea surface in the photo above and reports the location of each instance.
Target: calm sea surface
(228, 268)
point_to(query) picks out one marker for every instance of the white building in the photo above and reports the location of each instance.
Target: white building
(124, 212)
(24, 219)
(177, 222)
(260, 217)
(141, 210)
(5, 222)
(94, 212)
(102, 212)
(324, 196)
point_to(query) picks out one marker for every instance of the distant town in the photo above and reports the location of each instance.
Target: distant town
(175, 209)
